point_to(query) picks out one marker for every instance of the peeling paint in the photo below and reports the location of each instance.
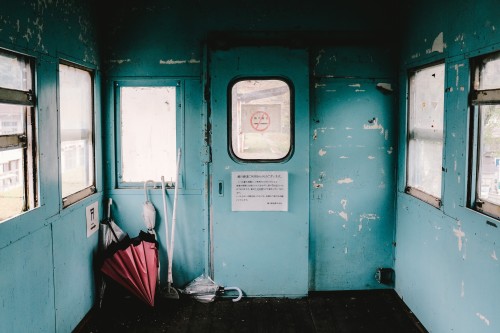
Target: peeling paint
(483, 318)
(316, 85)
(384, 86)
(494, 255)
(318, 58)
(386, 137)
(315, 134)
(370, 157)
(370, 216)
(172, 62)
(457, 70)
(345, 181)
(459, 38)
(317, 185)
(322, 152)
(179, 62)
(343, 157)
(348, 128)
(343, 215)
(355, 85)
(331, 212)
(345, 250)
(459, 234)
(462, 291)
(390, 151)
(119, 61)
(366, 217)
(343, 202)
(359, 90)
(374, 125)
(438, 44)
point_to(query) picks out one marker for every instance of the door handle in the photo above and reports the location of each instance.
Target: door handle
(221, 188)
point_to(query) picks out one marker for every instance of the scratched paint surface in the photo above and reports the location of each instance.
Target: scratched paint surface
(47, 280)
(447, 264)
(352, 174)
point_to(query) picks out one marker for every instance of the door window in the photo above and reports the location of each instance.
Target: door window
(260, 119)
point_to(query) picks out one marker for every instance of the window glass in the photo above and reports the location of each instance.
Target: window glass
(18, 178)
(77, 132)
(12, 119)
(11, 183)
(425, 132)
(148, 133)
(260, 119)
(15, 72)
(486, 107)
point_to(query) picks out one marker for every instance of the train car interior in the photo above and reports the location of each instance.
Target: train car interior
(280, 149)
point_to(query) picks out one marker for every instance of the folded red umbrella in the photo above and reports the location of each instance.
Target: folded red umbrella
(133, 263)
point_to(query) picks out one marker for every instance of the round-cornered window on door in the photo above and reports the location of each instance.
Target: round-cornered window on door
(260, 119)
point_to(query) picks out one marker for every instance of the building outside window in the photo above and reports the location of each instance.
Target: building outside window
(425, 133)
(484, 184)
(18, 177)
(260, 114)
(149, 117)
(76, 104)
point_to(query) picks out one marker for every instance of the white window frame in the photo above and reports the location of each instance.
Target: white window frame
(91, 189)
(179, 132)
(26, 140)
(479, 97)
(420, 193)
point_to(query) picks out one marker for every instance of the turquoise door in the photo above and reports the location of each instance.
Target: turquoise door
(259, 173)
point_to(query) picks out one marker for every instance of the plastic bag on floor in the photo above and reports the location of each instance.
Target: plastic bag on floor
(203, 289)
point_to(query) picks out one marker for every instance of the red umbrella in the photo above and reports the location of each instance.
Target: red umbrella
(133, 263)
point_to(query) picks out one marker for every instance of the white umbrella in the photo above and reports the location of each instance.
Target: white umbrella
(148, 210)
(109, 232)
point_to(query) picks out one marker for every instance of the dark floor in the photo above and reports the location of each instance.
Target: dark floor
(375, 311)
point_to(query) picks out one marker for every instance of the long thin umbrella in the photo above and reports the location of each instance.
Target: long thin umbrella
(170, 291)
(108, 233)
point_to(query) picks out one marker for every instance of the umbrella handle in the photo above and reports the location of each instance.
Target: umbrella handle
(108, 220)
(112, 231)
(110, 202)
(146, 199)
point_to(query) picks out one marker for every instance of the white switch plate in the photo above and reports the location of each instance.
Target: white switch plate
(92, 218)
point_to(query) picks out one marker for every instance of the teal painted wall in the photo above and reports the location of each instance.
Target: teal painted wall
(352, 163)
(46, 276)
(156, 39)
(446, 259)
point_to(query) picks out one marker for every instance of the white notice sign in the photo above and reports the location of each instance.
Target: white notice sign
(259, 191)
(92, 213)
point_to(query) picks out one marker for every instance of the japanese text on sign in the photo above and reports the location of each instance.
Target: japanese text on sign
(259, 191)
